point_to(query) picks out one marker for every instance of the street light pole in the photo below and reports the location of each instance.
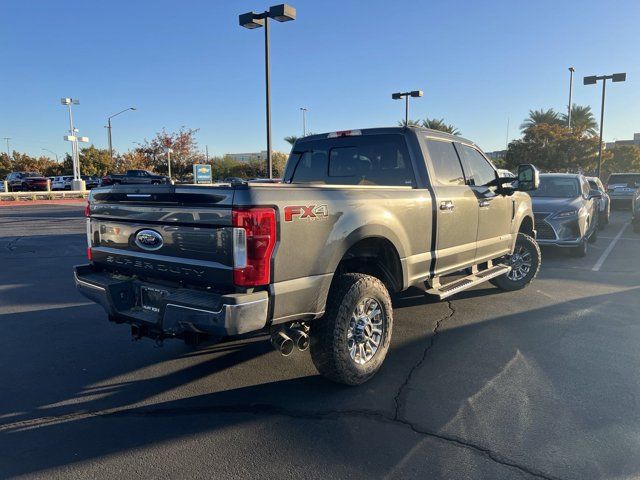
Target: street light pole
(406, 95)
(51, 151)
(304, 121)
(267, 74)
(592, 80)
(6, 139)
(168, 152)
(109, 138)
(571, 70)
(109, 129)
(251, 20)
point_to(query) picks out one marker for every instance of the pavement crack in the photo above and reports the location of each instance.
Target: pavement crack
(435, 332)
(269, 409)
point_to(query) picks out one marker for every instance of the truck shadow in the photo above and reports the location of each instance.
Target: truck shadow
(76, 415)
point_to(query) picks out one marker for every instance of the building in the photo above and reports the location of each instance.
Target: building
(247, 157)
(619, 143)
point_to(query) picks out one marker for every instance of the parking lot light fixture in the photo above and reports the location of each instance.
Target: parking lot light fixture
(406, 95)
(592, 80)
(109, 128)
(253, 20)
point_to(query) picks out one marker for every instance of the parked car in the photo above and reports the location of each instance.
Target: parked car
(503, 173)
(622, 187)
(604, 204)
(312, 260)
(26, 181)
(91, 181)
(566, 212)
(134, 177)
(62, 182)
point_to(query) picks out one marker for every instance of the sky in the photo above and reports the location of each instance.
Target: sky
(481, 64)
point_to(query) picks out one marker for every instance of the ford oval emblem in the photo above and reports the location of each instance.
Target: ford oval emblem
(149, 240)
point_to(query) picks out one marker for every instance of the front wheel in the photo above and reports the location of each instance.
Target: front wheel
(351, 340)
(524, 262)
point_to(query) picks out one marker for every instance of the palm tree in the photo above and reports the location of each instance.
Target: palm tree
(291, 139)
(582, 120)
(539, 117)
(412, 123)
(439, 124)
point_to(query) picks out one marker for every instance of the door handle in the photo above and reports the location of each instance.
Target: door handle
(447, 205)
(484, 203)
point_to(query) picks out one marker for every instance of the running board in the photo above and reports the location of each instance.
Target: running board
(479, 276)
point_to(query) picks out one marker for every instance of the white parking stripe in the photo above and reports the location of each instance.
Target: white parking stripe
(606, 253)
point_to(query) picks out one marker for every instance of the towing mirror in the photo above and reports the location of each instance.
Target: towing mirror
(528, 177)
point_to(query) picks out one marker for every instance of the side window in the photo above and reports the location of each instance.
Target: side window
(478, 169)
(445, 161)
(311, 167)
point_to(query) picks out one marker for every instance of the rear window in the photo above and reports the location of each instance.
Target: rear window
(363, 160)
(626, 178)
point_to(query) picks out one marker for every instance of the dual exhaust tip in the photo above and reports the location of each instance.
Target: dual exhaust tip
(286, 343)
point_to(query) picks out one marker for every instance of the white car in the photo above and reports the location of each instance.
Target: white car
(62, 182)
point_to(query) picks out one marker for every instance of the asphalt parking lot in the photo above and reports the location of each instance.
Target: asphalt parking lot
(542, 383)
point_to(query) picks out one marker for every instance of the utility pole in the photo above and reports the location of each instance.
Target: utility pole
(7, 139)
(571, 70)
(206, 149)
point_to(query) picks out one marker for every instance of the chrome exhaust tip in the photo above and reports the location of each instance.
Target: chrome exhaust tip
(282, 343)
(300, 338)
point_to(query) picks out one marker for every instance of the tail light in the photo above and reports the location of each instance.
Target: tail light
(87, 213)
(254, 237)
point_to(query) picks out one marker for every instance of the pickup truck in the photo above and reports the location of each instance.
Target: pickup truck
(312, 261)
(134, 177)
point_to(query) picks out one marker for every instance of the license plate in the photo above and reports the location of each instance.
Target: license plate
(151, 298)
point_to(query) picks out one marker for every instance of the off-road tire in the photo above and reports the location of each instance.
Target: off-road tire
(593, 238)
(505, 283)
(329, 350)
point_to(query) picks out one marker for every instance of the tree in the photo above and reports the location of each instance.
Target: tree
(291, 139)
(554, 148)
(625, 158)
(541, 117)
(411, 123)
(184, 151)
(582, 120)
(439, 124)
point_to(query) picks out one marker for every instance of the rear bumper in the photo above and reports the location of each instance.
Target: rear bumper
(181, 311)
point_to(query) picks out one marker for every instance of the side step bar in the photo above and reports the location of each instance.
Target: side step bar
(477, 277)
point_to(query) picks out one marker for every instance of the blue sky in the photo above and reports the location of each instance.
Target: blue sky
(189, 63)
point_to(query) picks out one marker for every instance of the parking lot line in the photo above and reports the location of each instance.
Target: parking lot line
(607, 251)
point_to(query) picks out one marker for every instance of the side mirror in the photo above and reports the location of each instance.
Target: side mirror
(594, 193)
(528, 177)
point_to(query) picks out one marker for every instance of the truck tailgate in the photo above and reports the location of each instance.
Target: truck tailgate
(180, 233)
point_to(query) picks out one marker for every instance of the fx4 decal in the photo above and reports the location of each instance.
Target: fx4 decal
(310, 212)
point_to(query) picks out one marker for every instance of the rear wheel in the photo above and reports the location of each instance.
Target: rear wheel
(524, 262)
(351, 340)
